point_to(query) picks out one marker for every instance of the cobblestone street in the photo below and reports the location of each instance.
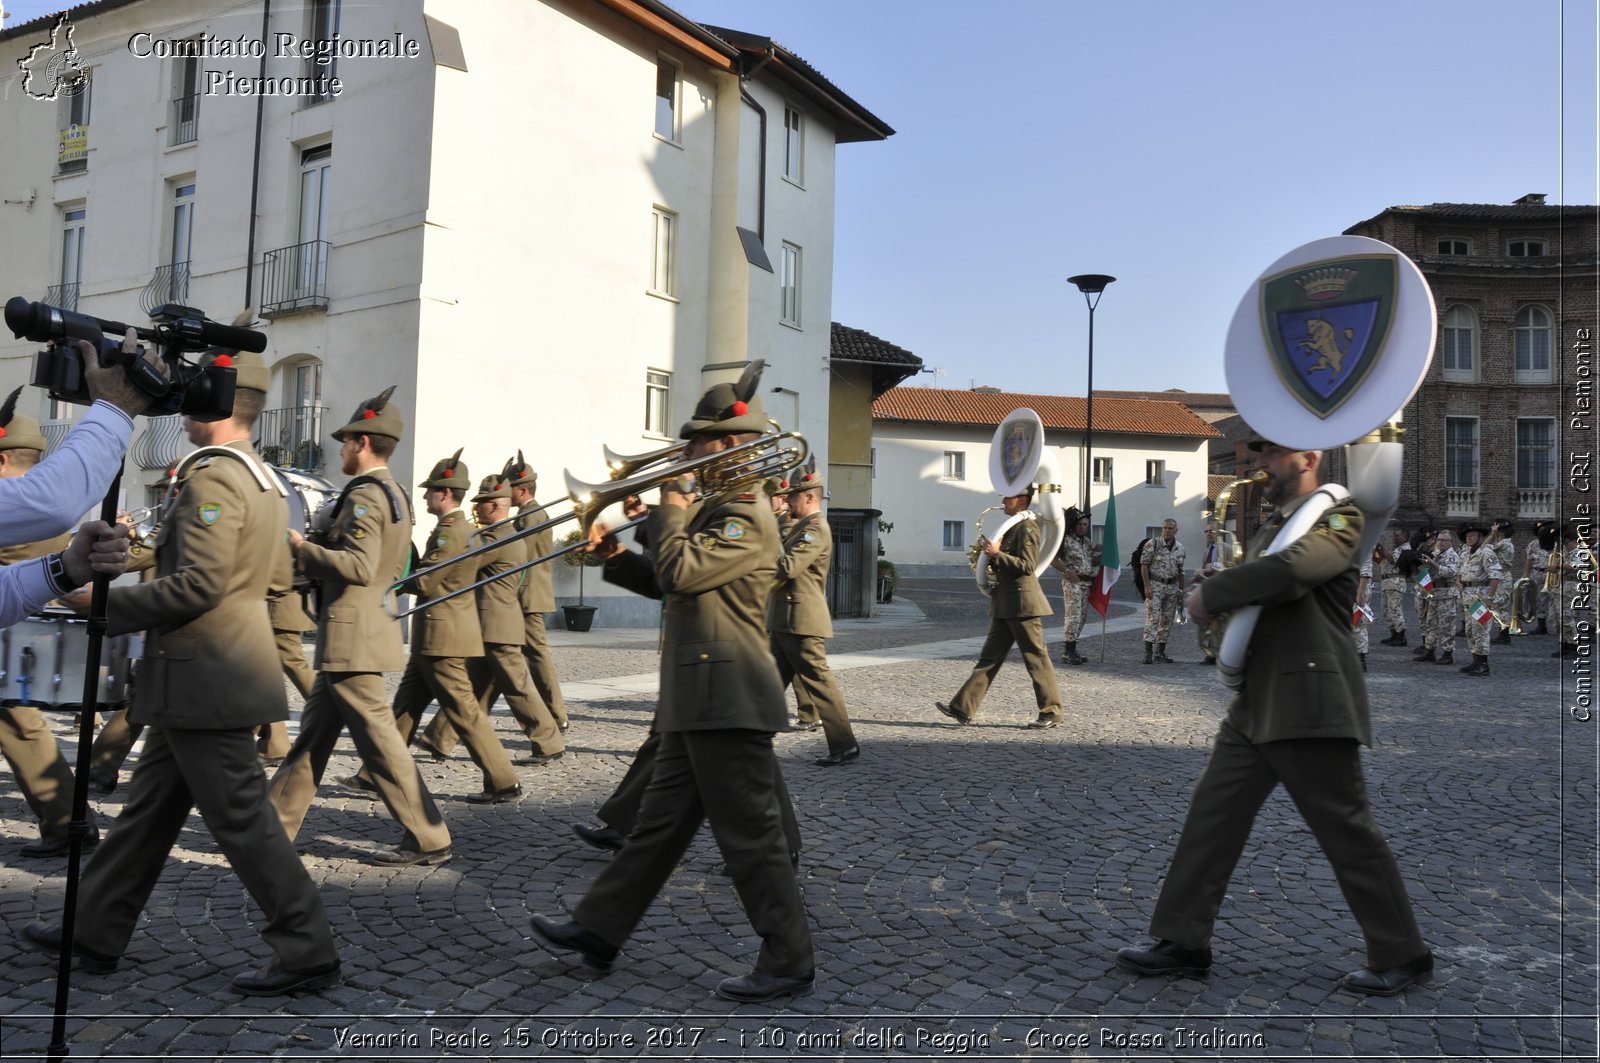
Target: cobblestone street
(968, 886)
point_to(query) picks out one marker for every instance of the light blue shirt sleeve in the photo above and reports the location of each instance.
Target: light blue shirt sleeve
(24, 589)
(69, 482)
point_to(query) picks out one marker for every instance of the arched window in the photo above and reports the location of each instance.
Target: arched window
(1459, 344)
(291, 434)
(1531, 332)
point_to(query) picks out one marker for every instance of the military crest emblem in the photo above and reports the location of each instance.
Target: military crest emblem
(1015, 451)
(209, 513)
(1326, 324)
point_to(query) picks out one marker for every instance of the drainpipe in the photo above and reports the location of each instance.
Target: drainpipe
(255, 165)
(761, 171)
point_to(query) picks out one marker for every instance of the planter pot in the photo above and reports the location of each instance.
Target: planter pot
(578, 617)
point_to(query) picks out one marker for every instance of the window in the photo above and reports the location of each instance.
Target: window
(311, 262)
(1526, 248)
(74, 224)
(793, 147)
(955, 535)
(663, 259)
(657, 389)
(72, 114)
(1461, 452)
(186, 70)
(955, 465)
(176, 288)
(324, 26)
(1102, 471)
(1531, 330)
(1454, 247)
(1459, 344)
(1155, 473)
(1536, 452)
(668, 78)
(789, 291)
(1151, 531)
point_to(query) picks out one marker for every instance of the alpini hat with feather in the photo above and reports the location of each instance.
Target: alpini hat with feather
(730, 408)
(804, 479)
(375, 417)
(494, 486)
(450, 472)
(518, 473)
(18, 431)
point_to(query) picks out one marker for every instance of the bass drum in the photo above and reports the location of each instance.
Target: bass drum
(307, 495)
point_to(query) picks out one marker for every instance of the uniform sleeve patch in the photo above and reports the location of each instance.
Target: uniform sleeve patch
(733, 530)
(361, 510)
(1337, 522)
(810, 537)
(210, 512)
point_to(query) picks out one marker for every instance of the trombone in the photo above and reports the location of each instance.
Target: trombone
(620, 466)
(771, 454)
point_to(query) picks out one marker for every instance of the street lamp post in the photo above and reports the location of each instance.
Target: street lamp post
(1091, 285)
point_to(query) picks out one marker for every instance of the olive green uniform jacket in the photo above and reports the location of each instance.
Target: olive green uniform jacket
(799, 603)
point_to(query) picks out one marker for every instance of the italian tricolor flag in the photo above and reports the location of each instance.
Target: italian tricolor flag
(1110, 557)
(1480, 612)
(1425, 581)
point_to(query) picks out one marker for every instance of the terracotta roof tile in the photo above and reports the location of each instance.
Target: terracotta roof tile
(1191, 399)
(1068, 412)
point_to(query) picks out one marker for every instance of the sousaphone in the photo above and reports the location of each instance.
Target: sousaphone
(1017, 464)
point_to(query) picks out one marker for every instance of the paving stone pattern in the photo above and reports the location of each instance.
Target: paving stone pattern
(967, 886)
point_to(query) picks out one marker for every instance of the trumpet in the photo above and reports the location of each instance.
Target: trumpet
(723, 472)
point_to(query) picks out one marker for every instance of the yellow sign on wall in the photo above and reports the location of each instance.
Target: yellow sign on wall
(74, 144)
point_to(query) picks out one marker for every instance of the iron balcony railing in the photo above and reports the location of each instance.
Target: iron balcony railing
(295, 278)
(169, 285)
(163, 443)
(63, 295)
(54, 432)
(185, 119)
(291, 437)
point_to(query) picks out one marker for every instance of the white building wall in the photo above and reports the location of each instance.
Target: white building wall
(910, 488)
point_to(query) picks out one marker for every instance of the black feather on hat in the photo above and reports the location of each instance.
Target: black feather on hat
(10, 408)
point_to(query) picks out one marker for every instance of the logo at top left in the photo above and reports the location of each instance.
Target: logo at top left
(53, 69)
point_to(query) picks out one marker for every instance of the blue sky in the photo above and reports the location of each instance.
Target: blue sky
(1180, 147)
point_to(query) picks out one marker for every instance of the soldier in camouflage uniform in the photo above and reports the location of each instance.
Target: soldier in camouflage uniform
(1479, 578)
(1393, 584)
(1506, 550)
(1444, 611)
(1211, 561)
(1535, 567)
(1163, 589)
(1075, 562)
(1362, 614)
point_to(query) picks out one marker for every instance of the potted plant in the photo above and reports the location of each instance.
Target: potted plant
(578, 617)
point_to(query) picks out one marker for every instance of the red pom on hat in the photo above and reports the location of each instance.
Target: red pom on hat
(367, 415)
(224, 360)
(2, 431)
(740, 409)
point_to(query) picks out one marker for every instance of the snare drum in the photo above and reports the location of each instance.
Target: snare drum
(43, 657)
(307, 495)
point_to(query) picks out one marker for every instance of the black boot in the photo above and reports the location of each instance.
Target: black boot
(1149, 653)
(1363, 662)
(1396, 638)
(1479, 665)
(1542, 629)
(1423, 656)
(1072, 655)
(1161, 653)
(1447, 657)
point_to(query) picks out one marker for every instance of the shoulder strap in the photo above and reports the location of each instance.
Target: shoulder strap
(396, 509)
(268, 483)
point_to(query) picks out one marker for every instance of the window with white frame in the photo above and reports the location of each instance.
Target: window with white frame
(1531, 331)
(74, 226)
(323, 25)
(1526, 248)
(72, 118)
(1102, 471)
(186, 71)
(1536, 452)
(310, 262)
(1454, 247)
(789, 292)
(1461, 452)
(793, 146)
(669, 79)
(955, 535)
(955, 465)
(1155, 473)
(664, 253)
(657, 389)
(1459, 344)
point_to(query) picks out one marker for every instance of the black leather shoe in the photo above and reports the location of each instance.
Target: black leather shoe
(844, 756)
(563, 725)
(58, 846)
(359, 786)
(1391, 981)
(410, 857)
(952, 713)
(1045, 721)
(539, 760)
(496, 797)
(46, 937)
(805, 725)
(428, 748)
(596, 953)
(1166, 957)
(600, 837)
(106, 784)
(273, 982)
(759, 985)
(1208, 660)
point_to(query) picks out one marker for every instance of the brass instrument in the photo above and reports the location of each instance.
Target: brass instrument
(975, 551)
(1524, 604)
(1552, 573)
(725, 471)
(1232, 552)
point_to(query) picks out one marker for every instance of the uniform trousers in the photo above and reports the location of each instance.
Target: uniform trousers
(1394, 596)
(1363, 629)
(1444, 616)
(445, 679)
(219, 773)
(725, 777)
(42, 773)
(502, 670)
(273, 738)
(1027, 634)
(1323, 778)
(1074, 606)
(621, 810)
(1163, 605)
(542, 665)
(112, 746)
(1477, 634)
(803, 661)
(357, 700)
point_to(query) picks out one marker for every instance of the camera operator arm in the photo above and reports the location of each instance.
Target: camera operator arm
(61, 488)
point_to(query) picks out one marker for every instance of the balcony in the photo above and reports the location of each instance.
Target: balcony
(163, 443)
(54, 432)
(169, 285)
(294, 279)
(1461, 501)
(64, 296)
(1536, 503)
(291, 437)
(184, 121)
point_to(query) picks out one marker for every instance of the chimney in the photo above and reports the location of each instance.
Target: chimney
(1532, 199)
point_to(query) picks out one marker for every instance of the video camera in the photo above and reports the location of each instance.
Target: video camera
(204, 393)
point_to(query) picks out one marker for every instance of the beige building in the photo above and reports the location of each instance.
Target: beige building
(551, 223)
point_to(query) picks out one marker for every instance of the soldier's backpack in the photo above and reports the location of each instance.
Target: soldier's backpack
(1138, 569)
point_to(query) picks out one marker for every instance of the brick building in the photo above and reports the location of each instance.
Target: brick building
(1514, 285)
